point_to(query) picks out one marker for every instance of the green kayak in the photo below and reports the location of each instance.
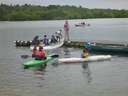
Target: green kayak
(34, 63)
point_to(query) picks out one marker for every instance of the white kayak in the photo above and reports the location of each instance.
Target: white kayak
(50, 47)
(88, 59)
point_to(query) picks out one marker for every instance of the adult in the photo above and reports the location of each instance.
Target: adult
(53, 39)
(34, 51)
(66, 29)
(40, 54)
(45, 40)
(35, 40)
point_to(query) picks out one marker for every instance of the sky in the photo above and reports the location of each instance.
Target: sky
(112, 4)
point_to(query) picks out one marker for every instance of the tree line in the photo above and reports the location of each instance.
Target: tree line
(55, 12)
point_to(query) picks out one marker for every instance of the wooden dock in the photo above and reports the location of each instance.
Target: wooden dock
(98, 47)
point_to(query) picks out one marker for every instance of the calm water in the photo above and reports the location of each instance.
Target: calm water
(108, 78)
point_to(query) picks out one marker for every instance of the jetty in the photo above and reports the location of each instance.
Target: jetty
(100, 47)
(94, 47)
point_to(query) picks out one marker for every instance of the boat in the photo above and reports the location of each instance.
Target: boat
(50, 47)
(116, 48)
(34, 63)
(81, 25)
(108, 48)
(88, 59)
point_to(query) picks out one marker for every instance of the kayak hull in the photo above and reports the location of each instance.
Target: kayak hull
(88, 59)
(34, 63)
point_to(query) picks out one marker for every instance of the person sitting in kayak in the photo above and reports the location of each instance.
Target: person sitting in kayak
(40, 54)
(45, 40)
(85, 53)
(34, 51)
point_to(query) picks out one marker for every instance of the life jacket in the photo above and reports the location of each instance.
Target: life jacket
(84, 55)
(40, 54)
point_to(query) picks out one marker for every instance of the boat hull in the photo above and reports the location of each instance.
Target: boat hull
(34, 63)
(51, 47)
(88, 59)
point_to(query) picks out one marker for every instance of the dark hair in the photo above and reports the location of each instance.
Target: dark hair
(34, 48)
(40, 47)
(85, 50)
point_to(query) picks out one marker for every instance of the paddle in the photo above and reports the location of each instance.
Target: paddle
(27, 56)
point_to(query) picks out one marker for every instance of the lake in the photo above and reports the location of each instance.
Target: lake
(107, 78)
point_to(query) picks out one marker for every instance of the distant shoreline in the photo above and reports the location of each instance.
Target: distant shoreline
(55, 12)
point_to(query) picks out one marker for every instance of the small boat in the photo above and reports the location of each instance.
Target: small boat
(108, 48)
(34, 63)
(50, 47)
(88, 59)
(81, 25)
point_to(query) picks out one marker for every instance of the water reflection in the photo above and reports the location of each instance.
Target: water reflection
(66, 52)
(40, 71)
(86, 71)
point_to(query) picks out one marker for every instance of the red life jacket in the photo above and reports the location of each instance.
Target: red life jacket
(40, 54)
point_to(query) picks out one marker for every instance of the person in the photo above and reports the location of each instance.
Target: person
(85, 65)
(45, 40)
(60, 33)
(85, 53)
(35, 40)
(53, 39)
(40, 54)
(34, 52)
(66, 29)
(57, 36)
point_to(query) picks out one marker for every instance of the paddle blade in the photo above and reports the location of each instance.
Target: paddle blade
(25, 56)
(55, 56)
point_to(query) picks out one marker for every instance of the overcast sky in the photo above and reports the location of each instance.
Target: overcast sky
(113, 4)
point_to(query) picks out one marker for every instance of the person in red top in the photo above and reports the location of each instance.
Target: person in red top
(40, 54)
